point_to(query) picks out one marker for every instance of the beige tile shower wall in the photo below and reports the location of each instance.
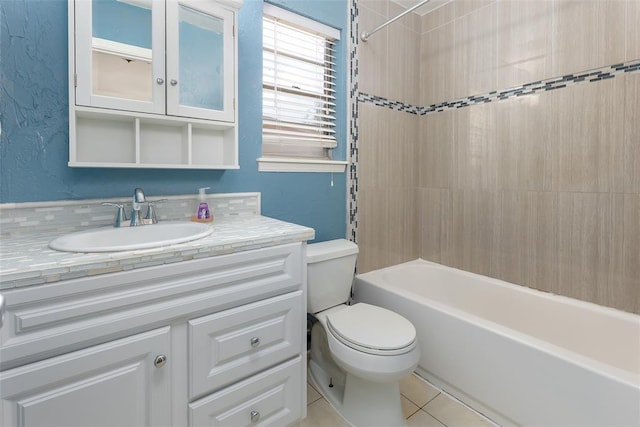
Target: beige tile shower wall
(632, 136)
(387, 206)
(389, 66)
(524, 41)
(587, 34)
(389, 62)
(473, 46)
(541, 191)
(633, 30)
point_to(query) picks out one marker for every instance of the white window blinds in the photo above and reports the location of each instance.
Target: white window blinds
(298, 89)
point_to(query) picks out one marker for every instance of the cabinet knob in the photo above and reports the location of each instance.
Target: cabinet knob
(255, 341)
(255, 416)
(160, 361)
(160, 81)
(174, 82)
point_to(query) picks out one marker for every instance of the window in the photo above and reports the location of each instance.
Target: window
(298, 87)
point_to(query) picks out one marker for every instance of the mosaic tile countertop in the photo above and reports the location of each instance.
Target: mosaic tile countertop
(27, 260)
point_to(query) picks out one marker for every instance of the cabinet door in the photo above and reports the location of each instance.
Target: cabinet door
(200, 60)
(119, 54)
(112, 384)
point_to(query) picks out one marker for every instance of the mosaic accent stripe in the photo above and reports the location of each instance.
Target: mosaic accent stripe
(394, 105)
(594, 75)
(352, 197)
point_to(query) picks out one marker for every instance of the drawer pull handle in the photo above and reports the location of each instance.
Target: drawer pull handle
(255, 416)
(160, 361)
(255, 341)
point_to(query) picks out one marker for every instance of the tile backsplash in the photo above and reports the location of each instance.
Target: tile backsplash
(64, 216)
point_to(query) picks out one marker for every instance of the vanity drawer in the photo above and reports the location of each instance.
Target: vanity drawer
(233, 344)
(271, 398)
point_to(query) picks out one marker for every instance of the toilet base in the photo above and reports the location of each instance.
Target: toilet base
(362, 402)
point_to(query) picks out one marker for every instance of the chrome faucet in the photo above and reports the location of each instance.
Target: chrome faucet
(138, 199)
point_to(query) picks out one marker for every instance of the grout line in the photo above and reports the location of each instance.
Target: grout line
(437, 419)
(432, 416)
(455, 399)
(413, 413)
(314, 401)
(416, 403)
(311, 403)
(467, 407)
(431, 400)
(314, 389)
(321, 398)
(473, 11)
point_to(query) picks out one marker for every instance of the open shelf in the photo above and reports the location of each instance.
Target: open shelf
(111, 138)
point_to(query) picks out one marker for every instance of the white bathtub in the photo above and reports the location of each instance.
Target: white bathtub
(520, 356)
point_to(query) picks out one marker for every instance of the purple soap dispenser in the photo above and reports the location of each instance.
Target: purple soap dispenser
(203, 208)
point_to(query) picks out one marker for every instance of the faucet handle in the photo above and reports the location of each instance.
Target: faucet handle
(150, 217)
(120, 215)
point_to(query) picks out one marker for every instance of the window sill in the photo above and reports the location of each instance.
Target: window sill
(282, 164)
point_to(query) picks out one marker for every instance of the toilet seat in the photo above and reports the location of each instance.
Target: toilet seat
(371, 329)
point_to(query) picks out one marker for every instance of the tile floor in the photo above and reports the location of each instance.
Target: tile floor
(423, 406)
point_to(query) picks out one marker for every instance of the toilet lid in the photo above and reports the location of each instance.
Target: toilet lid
(372, 329)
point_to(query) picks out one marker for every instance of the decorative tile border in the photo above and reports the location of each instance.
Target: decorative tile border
(352, 196)
(594, 75)
(393, 105)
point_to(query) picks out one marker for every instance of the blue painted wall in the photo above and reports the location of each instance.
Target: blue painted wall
(34, 117)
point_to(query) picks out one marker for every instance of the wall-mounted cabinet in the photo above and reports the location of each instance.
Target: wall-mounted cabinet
(153, 83)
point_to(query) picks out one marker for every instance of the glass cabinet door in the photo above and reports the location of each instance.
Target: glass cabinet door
(200, 60)
(120, 54)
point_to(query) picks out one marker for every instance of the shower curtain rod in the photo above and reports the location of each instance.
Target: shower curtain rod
(364, 36)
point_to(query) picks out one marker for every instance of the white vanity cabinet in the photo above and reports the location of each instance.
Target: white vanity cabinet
(214, 341)
(153, 83)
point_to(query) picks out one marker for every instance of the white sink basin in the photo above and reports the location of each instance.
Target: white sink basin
(110, 239)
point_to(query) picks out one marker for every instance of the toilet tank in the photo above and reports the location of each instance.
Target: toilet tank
(330, 270)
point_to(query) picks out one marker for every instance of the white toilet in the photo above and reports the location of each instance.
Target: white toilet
(359, 352)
